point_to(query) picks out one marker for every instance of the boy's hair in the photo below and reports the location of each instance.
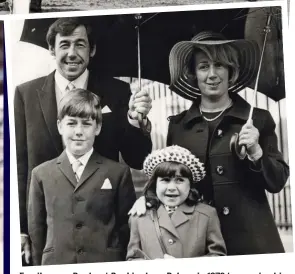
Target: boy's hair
(226, 54)
(65, 26)
(169, 169)
(80, 103)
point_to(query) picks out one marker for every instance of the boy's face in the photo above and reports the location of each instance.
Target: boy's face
(78, 134)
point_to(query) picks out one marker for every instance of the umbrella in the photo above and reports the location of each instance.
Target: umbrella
(117, 40)
(240, 151)
(271, 79)
(117, 53)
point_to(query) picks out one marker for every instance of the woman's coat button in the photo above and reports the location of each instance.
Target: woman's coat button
(170, 241)
(219, 133)
(225, 210)
(220, 170)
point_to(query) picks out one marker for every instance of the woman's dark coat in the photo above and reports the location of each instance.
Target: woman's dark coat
(239, 187)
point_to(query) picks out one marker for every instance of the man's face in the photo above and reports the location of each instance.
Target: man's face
(72, 53)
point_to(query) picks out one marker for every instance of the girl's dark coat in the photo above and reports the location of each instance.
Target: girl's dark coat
(239, 187)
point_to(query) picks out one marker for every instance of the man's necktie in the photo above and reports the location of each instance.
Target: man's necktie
(76, 166)
(70, 86)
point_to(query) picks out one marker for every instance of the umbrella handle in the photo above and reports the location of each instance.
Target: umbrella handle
(140, 120)
(239, 151)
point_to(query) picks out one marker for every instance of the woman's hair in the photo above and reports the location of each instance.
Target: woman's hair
(226, 54)
(80, 103)
(169, 169)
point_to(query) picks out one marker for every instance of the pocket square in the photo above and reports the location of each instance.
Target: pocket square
(105, 109)
(106, 184)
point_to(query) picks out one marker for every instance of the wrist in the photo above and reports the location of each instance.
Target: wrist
(256, 154)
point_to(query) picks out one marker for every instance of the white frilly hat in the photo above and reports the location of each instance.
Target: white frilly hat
(174, 154)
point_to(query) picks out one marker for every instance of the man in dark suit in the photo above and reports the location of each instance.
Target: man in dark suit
(72, 44)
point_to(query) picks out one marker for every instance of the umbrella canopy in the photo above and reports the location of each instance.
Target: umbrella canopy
(117, 40)
(271, 79)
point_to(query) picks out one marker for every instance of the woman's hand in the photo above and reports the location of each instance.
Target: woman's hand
(249, 136)
(139, 207)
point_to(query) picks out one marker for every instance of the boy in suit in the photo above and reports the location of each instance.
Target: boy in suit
(79, 202)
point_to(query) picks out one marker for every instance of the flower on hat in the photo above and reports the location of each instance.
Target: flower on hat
(176, 154)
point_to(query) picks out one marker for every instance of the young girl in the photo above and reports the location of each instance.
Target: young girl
(177, 224)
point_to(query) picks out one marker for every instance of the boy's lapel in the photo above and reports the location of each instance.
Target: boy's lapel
(93, 164)
(64, 165)
(165, 221)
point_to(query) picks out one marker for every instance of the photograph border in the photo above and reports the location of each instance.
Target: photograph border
(221, 264)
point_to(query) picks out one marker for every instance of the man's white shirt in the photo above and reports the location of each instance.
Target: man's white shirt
(61, 84)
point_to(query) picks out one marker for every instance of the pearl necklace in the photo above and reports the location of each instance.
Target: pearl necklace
(216, 117)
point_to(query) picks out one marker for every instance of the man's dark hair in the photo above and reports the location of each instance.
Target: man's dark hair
(66, 26)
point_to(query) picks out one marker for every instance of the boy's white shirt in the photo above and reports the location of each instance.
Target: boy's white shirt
(83, 159)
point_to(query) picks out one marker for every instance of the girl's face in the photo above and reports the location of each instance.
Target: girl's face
(173, 191)
(212, 76)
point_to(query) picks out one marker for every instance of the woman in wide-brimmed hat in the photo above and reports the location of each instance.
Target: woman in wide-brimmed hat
(210, 70)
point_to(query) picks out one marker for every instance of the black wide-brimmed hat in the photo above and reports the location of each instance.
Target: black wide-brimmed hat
(180, 55)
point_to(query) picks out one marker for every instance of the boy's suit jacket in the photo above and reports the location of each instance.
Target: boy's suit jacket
(83, 222)
(190, 232)
(38, 140)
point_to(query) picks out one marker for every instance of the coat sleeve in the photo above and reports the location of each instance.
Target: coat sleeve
(272, 167)
(134, 144)
(37, 218)
(215, 245)
(134, 247)
(21, 157)
(125, 200)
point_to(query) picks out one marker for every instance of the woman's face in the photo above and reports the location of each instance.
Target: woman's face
(172, 191)
(212, 76)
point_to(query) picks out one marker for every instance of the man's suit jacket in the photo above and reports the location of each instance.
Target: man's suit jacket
(82, 222)
(38, 140)
(192, 231)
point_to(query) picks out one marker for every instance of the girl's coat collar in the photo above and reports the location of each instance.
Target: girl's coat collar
(178, 218)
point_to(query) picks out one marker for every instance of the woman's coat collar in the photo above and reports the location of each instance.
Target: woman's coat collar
(240, 109)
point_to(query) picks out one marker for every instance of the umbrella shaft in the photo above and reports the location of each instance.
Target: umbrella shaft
(138, 58)
(267, 30)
